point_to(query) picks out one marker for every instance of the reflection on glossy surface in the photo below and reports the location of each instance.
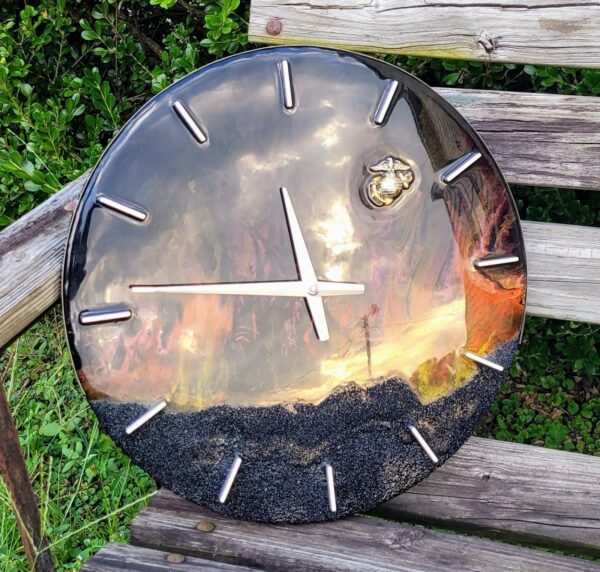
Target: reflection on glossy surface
(215, 215)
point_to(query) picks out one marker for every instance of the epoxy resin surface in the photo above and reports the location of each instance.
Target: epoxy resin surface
(211, 212)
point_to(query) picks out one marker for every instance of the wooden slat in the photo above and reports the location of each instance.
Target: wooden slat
(527, 31)
(120, 557)
(356, 543)
(31, 258)
(563, 266)
(511, 491)
(537, 139)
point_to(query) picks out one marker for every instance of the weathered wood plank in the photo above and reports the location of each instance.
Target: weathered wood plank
(563, 269)
(527, 31)
(351, 544)
(119, 557)
(31, 257)
(24, 504)
(537, 139)
(510, 491)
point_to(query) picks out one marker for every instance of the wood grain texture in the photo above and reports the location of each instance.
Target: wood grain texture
(510, 491)
(563, 269)
(352, 544)
(31, 258)
(527, 31)
(119, 557)
(537, 139)
(13, 471)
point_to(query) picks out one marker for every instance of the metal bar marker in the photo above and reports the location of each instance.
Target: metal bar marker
(483, 361)
(235, 467)
(189, 122)
(330, 488)
(419, 439)
(492, 262)
(385, 102)
(123, 207)
(460, 166)
(285, 81)
(104, 315)
(152, 411)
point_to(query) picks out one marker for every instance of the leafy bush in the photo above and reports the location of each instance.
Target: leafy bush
(71, 73)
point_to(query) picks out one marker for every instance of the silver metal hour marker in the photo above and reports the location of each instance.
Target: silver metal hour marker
(104, 315)
(285, 81)
(460, 166)
(190, 122)
(419, 439)
(330, 488)
(235, 467)
(152, 411)
(498, 261)
(483, 361)
(385, 102)
(123, 207)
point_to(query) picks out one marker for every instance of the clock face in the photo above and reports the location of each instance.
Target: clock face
(294, 283)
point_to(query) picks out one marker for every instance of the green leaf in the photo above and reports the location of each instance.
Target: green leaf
(587, 411)
(26, 90)
(50, 429)
(31, 186)
(452, 78)
(530, 70)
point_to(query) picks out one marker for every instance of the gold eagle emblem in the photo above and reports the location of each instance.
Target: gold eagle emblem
(389, 179)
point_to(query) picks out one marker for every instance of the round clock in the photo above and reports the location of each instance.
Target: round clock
(294, 283)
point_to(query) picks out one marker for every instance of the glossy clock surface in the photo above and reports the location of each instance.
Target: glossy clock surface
(283, 266)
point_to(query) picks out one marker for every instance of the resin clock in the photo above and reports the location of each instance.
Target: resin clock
(294, 283)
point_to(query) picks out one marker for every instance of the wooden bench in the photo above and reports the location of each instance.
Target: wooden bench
(503, 491)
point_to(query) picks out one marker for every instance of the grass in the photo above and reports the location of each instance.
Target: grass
(88, 490)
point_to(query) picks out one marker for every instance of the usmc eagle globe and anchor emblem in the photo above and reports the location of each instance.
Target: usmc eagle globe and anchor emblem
(389, 179)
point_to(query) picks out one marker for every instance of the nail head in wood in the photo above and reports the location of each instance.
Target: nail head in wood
(274, 27)
(205, 526)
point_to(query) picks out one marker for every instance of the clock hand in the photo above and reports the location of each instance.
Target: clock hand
(316, 309)
(308, 287)
(306, 269)
(293, 288)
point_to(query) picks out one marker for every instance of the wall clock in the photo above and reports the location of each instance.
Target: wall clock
(294, 283)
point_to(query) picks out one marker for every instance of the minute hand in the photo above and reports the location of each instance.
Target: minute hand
(292, 289)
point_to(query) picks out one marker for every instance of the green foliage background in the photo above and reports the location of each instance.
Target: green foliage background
(71, 73)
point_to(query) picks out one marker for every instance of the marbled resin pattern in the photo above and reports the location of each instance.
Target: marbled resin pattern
(215, 215)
